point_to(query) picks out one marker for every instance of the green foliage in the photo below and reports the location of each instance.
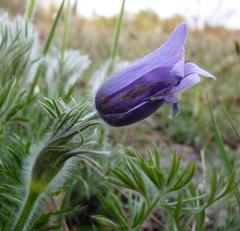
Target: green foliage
(64, 73)
(147, 185)
(18, 43)
(37, 136)
(61, 145)
(18, 47)
(224, 155)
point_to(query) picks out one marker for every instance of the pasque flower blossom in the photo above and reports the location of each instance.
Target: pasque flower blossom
(144, 86)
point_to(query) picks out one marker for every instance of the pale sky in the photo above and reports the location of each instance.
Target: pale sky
(215, 12)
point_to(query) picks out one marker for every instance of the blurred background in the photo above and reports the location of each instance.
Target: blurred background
(213, 43)
(144, 25)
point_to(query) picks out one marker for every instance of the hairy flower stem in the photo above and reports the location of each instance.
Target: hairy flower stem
(26, 210)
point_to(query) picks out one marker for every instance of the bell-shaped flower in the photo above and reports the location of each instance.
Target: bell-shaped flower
(144, 86)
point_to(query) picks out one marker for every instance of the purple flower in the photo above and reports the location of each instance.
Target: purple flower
(139, 90)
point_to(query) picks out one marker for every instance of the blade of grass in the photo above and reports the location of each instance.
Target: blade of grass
(67, 22)
(223, 153)
(30, 10)
(232, 124)
(116, 37)
(46, 48)
(220, 142)
(53, 29)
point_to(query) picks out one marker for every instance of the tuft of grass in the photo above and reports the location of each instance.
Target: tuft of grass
(230, 169)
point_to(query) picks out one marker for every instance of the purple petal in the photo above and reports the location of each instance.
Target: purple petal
(136, 114)
(158, 81)
(186, 83)
(191, 68)
(178, 69)
(175, 109)
(176, 41)
(168, 54)
(171, 99)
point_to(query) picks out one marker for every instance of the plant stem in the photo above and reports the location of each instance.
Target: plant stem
(116, 37)
(26, 211)
(46, 48)
(67, 22)
(30, 10)
(53, 30)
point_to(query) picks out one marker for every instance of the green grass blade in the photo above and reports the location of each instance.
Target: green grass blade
(46, 48)
(67, 22)
(53, 29)
(117, 36)
(30, 10)
(223, 153)
(232, 124)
